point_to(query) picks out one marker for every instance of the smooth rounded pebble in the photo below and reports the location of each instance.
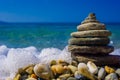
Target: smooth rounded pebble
(109, 69)
(111, 76)
(57, 69)
(101, 73)
(118, 71)
(82, 65)
(42, 70)
(77, 75)
(90, 19)
(91, 26)
(85, 72)
(92, 67)
(72, 68)
(91, 33)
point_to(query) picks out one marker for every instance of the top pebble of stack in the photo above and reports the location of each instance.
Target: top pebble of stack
(90, 23)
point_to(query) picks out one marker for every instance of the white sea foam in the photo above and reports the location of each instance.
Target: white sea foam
(13, 58)
(3, 50)
(116, 52)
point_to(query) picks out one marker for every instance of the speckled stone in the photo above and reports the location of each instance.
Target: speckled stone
(101, 50)
(91, 26)
(89, 41)
(99, 60)
(91, 33)
(91, 18)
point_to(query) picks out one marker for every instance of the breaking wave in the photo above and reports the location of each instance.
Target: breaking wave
(13, 58)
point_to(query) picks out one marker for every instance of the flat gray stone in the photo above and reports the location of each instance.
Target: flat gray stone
(89, 41)
(99, 60)
(99, 50)
(91, 26)
(91, 33)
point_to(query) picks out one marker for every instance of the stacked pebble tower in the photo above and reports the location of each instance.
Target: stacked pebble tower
(91, 43)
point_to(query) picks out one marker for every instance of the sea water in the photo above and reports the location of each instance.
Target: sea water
(23, 44)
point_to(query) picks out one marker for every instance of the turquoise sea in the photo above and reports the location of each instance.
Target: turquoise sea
(20, 35)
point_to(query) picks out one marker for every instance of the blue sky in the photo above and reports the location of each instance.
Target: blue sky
(58, 10)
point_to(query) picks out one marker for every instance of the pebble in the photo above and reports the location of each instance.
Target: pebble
(29, 70)
(82, 65)
(109, 69)
(72, 68)
(101, 73)
(53, 62)
(111, 76)
(31, 79)
(92, 67)
(57, 69)
(74, 63)
(64, 76)
(77, 75)
(24, 77)
(42, 70)
(17, 77)
(67, 70)
(62, 62)
(85, 72)
(71, 78)
(33, 76)
(118, 71)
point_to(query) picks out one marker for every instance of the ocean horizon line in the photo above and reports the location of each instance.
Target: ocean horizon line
(52, 23)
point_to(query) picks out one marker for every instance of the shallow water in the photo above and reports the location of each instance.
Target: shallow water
(45, 35)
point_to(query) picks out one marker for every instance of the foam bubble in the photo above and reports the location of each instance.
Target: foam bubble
(20, 57)
(116, 52)
(3, 50)
(3, 69)
(49, 51)
(65, 55)
(49, 54)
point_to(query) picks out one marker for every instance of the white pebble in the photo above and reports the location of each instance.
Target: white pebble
(81, 66)
(92, 67)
